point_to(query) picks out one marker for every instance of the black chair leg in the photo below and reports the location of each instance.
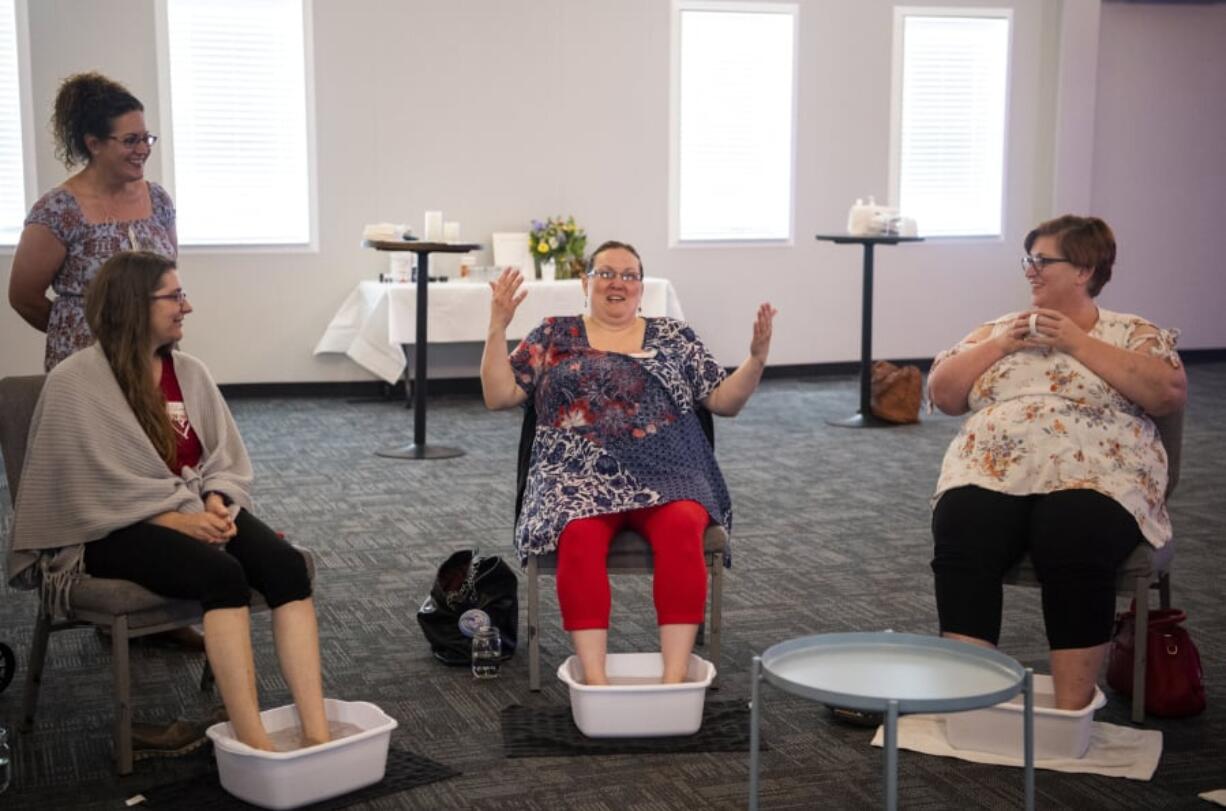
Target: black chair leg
(34, 669)
(123, 695)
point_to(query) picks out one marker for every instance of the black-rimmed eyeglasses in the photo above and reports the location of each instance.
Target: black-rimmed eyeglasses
(178, 297)
(1040, 263)
(133, 140)
(609, 275)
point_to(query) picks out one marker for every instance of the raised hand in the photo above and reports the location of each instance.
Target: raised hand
(760, 344)
(506, 297)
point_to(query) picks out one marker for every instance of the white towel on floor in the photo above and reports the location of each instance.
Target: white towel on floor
(1218, 796)
(1115, 751)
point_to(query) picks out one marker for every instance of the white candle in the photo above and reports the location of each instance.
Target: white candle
(451, 231)
(434, 226)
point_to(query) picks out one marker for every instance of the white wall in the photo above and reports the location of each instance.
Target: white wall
(1160, 163)
(498, 111)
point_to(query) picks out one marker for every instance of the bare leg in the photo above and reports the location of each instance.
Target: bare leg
(1074, 671)
(676, 644)
(297, 637)
(970, 640)
(227, 643)
(591, 646)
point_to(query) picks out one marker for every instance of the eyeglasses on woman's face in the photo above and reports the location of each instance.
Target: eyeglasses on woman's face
(1041, 263)
(609, 274)
(132, 140)
(178, 297)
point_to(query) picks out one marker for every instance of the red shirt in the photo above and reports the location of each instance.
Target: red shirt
(188, 449)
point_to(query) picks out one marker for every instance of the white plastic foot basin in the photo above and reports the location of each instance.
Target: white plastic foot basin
(634, 703)
(998, 729)
(281, 780)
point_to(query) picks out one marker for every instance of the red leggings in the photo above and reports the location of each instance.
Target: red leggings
(679, 585)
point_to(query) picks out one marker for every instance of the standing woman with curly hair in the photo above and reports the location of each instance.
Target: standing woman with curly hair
(105, 208)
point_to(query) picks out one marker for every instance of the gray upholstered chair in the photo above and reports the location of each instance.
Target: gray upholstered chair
(126, 609)
(629, 553)
(1146, 568)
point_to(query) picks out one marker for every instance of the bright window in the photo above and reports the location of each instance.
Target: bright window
(238, 111)
(12, 157)
(733, 121)
(951, 90)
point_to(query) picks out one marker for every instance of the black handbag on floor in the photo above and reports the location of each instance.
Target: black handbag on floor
(466, 581)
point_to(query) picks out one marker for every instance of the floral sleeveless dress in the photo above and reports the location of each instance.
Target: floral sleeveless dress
(89, 245)
(1041, 421)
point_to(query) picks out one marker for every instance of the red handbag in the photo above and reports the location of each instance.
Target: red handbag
(1174, 682)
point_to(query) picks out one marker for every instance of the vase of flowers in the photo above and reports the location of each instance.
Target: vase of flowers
(560, 241)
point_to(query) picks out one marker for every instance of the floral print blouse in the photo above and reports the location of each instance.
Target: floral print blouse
(89, 245)
(1041, 421)
(614, 432)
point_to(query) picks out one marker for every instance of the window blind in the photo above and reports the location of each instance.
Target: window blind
(12, 161)
(734, 122)
(952, 123)
(239, 118)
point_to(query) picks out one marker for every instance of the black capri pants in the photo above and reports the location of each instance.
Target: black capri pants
(1077, 539)
(175, 565)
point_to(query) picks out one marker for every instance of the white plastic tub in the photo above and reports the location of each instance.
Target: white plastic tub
(635, 704)
(290, 779)
(1057, 733)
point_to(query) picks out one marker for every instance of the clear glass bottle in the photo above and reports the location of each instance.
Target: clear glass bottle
(6, 760)
(487, 652)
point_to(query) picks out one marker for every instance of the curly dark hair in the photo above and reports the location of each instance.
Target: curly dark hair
(86, 104)
(1085, 241)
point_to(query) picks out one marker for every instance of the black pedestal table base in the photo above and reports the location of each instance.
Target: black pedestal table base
(418, 449)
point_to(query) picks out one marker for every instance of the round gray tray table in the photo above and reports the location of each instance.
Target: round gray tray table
(893, 674)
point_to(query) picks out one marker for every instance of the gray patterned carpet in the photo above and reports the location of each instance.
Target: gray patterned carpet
(831, 535)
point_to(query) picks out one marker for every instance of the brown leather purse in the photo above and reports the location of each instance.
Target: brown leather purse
(896, 392)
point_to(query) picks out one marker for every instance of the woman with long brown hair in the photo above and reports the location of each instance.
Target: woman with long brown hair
(136, 470)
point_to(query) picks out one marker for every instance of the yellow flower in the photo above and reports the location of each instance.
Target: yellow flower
(542, 247)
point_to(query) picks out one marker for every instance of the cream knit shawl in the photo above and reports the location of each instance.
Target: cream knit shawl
(90, 469)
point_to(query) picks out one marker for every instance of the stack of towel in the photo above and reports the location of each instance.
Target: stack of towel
(384, 232)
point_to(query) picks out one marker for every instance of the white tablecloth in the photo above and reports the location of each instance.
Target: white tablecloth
(377, 318)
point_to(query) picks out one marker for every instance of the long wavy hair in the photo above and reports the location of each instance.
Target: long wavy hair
(117, 306)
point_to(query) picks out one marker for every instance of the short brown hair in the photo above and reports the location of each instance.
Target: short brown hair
(1084, 241)
(613, 244)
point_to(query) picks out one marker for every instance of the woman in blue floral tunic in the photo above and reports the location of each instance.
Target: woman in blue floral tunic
(1058, 456)
(618, 445)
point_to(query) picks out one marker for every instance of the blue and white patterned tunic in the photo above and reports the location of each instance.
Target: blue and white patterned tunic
(614, 432)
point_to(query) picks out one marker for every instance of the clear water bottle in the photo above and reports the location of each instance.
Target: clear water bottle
(487, 652)
(6, 760)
